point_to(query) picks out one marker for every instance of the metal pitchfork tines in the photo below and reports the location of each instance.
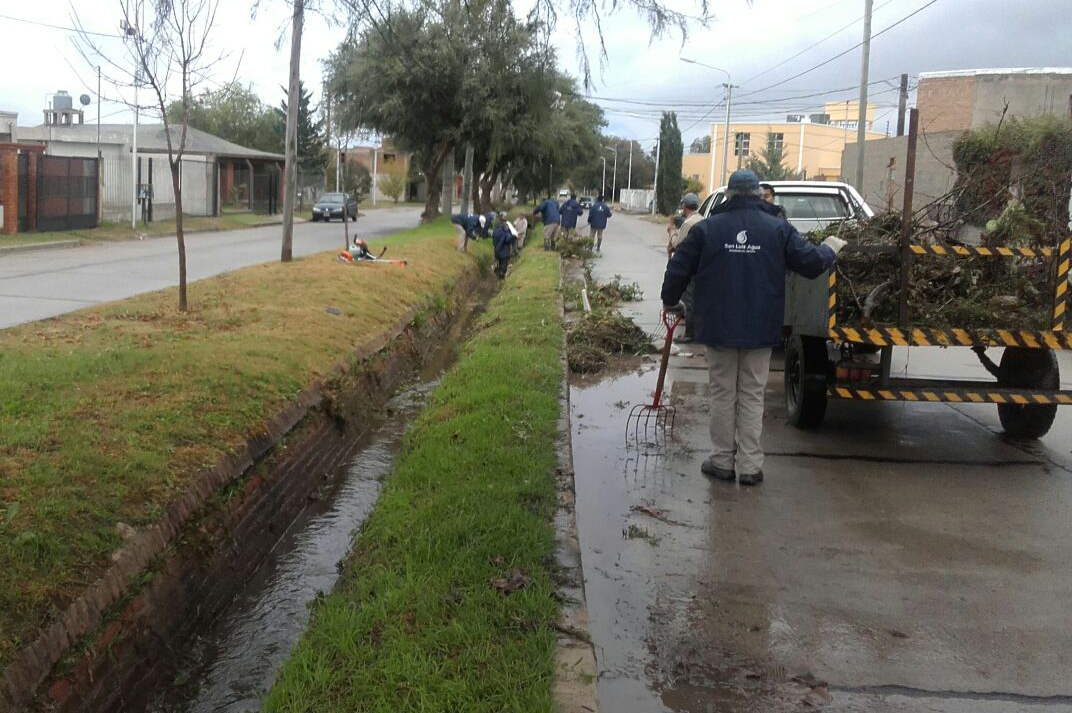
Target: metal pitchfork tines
(656, 415)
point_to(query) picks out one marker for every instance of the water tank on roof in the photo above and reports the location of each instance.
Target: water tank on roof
(61, 101)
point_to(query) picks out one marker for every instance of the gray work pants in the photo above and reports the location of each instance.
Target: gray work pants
(550, 232)
(597, 235)
(738, 380)
(463, 238)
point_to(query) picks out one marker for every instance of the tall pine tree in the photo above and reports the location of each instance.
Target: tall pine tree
(312, 156)
(668, 194)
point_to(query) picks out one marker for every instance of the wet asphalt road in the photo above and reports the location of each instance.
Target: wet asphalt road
(904, 557)
(39, 284)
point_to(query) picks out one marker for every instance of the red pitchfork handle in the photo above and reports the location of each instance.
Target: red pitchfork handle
(670, 327)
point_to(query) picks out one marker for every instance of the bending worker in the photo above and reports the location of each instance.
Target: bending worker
(467, 226)
(738, 257)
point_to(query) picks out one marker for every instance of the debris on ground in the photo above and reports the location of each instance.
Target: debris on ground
(655, 513)
(514, 580)
(578, 246)
(593, 338)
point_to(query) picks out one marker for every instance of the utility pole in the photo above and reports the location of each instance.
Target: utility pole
(603, 185)
(291, 147)
(861, 123)
(614, 178)
(655, 188)
(901, 104)
(327, 123)
(629, 181)
(467, 177)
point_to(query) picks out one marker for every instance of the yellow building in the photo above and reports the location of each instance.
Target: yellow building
(811, 145)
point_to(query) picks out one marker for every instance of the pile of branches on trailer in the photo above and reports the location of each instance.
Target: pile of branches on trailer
(1013, 182)
(945, 292)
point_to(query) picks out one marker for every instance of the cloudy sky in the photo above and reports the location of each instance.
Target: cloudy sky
(761, 44)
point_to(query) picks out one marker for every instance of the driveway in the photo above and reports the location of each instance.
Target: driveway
(903, 557)
(39, 284)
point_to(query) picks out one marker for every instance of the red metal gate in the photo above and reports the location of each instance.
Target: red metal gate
(66, 193)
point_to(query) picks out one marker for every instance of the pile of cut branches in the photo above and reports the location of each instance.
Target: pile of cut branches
(593, 338)
(945, 292)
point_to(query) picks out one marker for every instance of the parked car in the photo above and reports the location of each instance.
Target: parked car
(330, 205)
(809, 205)
(563, 194)
(585, 201)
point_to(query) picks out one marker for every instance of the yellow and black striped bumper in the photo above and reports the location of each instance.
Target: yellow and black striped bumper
(953, 395)
(953, 337)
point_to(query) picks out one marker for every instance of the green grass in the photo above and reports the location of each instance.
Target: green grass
(105, 414)
(108, 231)
(416, 622)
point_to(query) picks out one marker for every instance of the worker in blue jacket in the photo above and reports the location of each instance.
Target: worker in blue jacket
(737, 259)
(468, 227)
(487, 226)
(550, 216)
(571, 211)
(598, 215)
(504, 238)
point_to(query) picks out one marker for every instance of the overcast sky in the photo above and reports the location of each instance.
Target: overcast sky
(746, 39)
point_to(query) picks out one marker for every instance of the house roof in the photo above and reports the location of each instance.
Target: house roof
(150, 139)
(998, 71)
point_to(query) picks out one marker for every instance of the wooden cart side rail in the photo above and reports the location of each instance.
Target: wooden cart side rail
(947, 394)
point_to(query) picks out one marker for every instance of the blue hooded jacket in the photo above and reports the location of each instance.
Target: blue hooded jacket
(549, 213)
(489, 224)
(470, 223)
(571, 211)
(738, 258)
(502, 238)
(598, 215)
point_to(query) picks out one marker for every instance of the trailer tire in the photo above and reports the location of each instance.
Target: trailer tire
(805, 381)
(1022, 368)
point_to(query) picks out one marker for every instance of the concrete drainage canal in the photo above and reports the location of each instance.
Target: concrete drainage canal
(216, 618)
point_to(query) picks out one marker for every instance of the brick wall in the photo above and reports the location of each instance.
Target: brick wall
(9, 190)
(945, 103)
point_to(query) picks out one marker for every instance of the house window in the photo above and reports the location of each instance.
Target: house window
(740, 143)
(388, 158)
(776, 141)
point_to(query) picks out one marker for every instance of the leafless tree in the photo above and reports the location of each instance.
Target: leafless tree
(165, 49)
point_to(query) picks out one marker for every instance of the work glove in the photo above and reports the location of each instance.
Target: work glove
(834, 244)
(678, 309)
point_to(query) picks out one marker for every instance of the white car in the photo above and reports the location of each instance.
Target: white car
(809, 205)
(563, 194)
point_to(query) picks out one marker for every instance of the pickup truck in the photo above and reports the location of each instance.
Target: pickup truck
(809, 205)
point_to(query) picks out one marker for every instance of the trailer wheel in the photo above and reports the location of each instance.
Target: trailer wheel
(1028, 369)
(805, 383)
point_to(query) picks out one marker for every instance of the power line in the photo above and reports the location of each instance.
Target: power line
(812, 46)
(57, 27)
(842, 54)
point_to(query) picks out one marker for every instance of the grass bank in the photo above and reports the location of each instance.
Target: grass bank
(105, 414)
(110, 231)
(447, 601)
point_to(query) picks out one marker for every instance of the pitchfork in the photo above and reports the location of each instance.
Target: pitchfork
(656, 409)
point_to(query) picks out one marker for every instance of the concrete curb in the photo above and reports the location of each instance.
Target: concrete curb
(574, 688)
(34, 662)
(30, 247)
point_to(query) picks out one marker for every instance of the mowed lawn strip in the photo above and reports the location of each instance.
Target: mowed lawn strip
(419, 620)
(106, 413)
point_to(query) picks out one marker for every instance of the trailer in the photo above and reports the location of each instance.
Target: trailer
(826, 360)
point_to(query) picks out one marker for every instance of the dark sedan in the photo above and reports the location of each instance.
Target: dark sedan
(331, 206)
(585, 201)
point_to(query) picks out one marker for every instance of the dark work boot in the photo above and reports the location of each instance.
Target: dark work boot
(709, 468)
(751, 478)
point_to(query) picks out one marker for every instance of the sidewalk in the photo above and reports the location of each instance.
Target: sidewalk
(900, 558)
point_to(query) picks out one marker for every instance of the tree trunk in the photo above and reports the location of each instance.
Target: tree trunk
(475, 194)
(291, 146)
(176, 185)
(433, 176)
(486, 184)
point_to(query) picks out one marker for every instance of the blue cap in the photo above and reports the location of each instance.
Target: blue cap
(743, 180)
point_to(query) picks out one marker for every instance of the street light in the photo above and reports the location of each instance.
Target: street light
(603, 185)
(614, 178)
(729, 103)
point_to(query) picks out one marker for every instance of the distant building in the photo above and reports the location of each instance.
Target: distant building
(8, 122)
(950, 103)
(381, 160)
(215, 172)
(811, 145)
